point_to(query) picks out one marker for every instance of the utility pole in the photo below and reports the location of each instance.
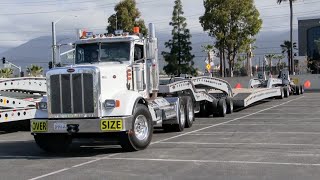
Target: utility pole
(249, 61)
(179, 46)
(54, 44)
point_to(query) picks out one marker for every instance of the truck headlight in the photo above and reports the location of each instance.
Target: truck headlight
(109, 104)
(42, 105)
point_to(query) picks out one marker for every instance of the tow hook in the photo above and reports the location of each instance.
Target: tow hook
(72, 128)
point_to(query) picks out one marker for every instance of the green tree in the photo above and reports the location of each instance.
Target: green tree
(35, 70)
(232, 24)
(127, 17)
(179, 59)
(291, 29)
(286, 49)
(6, 72)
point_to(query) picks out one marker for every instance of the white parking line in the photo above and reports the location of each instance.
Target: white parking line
(215, 161)
(89, 162)
(314, 113)
(266, 124)
(241, 132)
(281, 118)
(264, 144)
(49, 174)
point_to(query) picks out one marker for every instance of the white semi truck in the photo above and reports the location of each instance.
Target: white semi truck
(113, 90)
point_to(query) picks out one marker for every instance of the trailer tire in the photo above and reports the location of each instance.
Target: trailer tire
(301, 89)
(297, 90)
(282, 94)
(222, 108)
(189, 111)
(53, 143)
(141, 134)
(229, 102)
(204, 109)
(214, 108)
(286, 92)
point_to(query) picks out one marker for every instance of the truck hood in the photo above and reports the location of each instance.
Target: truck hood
(113, 78)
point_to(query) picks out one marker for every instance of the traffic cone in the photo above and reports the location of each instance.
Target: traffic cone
(307, 84)
(238, 86)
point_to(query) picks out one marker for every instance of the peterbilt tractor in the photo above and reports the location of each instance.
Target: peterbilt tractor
(112, 91)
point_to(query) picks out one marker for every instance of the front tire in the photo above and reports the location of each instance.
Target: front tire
(141, 134)
(53, 143)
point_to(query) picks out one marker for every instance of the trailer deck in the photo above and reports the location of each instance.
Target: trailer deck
(246, 97)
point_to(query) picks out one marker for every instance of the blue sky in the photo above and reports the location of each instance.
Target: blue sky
(22, 20)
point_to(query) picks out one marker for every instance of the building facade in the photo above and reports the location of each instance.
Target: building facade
(308, 35)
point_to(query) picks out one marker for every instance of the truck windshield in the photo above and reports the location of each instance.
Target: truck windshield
(103, 52)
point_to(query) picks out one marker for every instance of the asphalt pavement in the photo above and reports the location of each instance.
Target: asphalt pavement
(275, 139)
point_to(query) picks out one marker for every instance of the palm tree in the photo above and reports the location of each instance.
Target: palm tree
(279, 64)
(291, 19)
(35, 70)
(270, 57)
(286, 48)
(6, 72)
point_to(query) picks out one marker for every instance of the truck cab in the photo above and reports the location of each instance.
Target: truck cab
(105, 91)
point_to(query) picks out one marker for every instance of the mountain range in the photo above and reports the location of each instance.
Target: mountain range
(38, 50)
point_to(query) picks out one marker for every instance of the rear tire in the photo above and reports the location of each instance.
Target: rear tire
(189, 111)
(181, 119)
(142, 130)
(286, 92)
(53, 143)
(204, 109)
(282, 93)
(301, 89)
(229, 102)
(222, 108)
(297, 90)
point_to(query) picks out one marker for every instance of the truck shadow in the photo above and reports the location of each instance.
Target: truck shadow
(29, 150)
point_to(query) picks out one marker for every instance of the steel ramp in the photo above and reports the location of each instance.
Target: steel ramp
(246, 97)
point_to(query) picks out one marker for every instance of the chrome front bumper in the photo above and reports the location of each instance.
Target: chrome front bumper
(84, 125)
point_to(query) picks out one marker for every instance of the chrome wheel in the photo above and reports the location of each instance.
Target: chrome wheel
(190, 111)
(182, 115)
(141, 129)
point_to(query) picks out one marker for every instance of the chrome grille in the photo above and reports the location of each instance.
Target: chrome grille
(72, 93)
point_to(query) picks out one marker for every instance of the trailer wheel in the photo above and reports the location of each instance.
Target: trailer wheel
(142, 130)
(204, 109)
(229, 102)
(189, 111)
(53, 143)
(282, 94)
(222, 108)
(297, 89)
(286, 92)
(301, 89)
